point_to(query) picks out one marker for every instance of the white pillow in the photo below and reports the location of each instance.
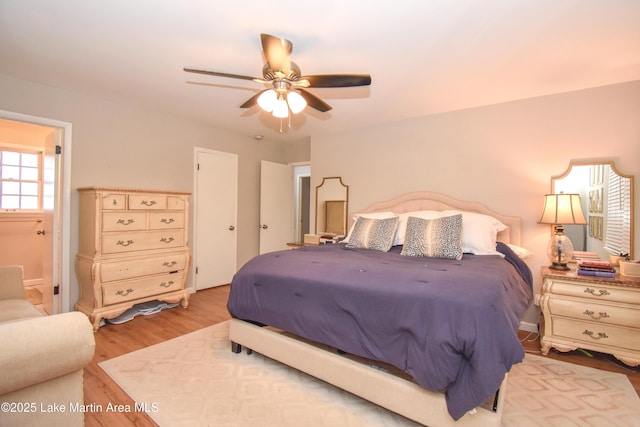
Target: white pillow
(479, 232)
(521, 252)
(372, 215)
(402, 224)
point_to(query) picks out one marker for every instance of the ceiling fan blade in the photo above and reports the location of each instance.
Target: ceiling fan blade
(215, 73)
(253, 100)
(338, 80)
(276, 52)
(314, 102)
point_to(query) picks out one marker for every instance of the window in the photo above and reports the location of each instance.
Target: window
(20, 180)
(617, 237)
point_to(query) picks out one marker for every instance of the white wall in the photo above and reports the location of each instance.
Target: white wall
(501, 155)
(119, 145)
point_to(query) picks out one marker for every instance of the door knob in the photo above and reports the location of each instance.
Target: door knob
(40, 232)
(264, 226)
(231, 227)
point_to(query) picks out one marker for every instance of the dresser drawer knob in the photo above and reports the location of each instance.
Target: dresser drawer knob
(125, 221)
(123, 243)
(148, 203)
(124, 293)
(166, 285)
(167, 240)
(601, 315)
(169, 264)
(593, 335)
(167, 220)
(600, 293)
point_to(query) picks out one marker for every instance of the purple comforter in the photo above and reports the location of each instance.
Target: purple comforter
(452, 325)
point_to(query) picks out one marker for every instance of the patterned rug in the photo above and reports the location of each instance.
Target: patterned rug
(195, 380)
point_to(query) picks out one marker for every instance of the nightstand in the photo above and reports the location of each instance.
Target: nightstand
(592, 313)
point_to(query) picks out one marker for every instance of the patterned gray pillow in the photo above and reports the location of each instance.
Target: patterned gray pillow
(377, 234)
(437, 238)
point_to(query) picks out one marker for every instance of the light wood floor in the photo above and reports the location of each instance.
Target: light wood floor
(207, 308)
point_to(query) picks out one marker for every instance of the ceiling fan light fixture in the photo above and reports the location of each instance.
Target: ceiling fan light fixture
(281, 109)
(296, 102)
(267, 100)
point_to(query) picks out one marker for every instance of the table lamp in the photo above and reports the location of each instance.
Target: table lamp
(561, 209)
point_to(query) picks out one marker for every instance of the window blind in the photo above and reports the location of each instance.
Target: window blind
(618, 223)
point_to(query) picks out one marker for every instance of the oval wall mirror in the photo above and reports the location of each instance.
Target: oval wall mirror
(607, 201)
(332, 201)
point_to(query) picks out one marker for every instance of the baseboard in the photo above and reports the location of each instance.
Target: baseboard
(32, 282)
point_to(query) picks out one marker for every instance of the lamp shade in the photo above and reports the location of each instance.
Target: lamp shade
(562, 209)
(296, 102)
(267, 100)
(281, 109)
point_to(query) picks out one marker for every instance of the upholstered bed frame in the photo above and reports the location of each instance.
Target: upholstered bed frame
(389, 391)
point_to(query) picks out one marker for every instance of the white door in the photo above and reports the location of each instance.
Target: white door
(50, 228)
(276, 206)
(215, 218)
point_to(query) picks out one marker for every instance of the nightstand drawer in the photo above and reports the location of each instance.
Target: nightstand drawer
(592, 311)
(592, 290)
(596, 333)
(134, 289)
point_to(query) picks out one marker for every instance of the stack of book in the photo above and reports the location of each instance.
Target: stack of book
(590, 267)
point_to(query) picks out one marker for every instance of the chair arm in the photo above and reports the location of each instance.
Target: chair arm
(39, 349)
(11, 283)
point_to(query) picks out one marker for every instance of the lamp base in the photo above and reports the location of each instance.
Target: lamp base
(559, 266)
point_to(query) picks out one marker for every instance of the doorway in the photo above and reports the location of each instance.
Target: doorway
(51, 223)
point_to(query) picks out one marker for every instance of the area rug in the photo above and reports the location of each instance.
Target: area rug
(195, 380)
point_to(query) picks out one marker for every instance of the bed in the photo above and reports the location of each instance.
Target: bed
(448, 322)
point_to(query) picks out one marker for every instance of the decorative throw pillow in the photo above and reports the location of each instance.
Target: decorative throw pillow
(402, 223)
(479, 232)
(437, 238)
(370, 233)
(371, 215)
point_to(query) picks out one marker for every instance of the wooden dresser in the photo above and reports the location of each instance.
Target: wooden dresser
(591, 313)
(133, 248)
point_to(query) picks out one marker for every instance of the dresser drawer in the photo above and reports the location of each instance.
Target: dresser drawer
(129, 269)
(147, 202)
(124, 221)
(593, 311)
(141, 288)
(141, 241)
(114, 201)
(592, 290)
(164, 220)
(177, 203)
(596, 333)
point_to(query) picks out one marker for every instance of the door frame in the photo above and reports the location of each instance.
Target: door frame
(62, 210)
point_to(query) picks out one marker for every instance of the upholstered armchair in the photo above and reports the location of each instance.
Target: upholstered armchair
(41, 359)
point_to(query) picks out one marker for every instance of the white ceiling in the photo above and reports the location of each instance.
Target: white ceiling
(424, 56)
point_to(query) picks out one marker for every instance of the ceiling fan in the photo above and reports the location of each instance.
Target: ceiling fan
(287, 91)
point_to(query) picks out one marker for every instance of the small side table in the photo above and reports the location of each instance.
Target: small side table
(593, 313)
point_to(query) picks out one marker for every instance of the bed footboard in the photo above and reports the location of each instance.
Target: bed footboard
(395, 394)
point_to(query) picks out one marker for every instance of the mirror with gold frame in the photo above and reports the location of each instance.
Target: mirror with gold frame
(607, 201)
(332, 201)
